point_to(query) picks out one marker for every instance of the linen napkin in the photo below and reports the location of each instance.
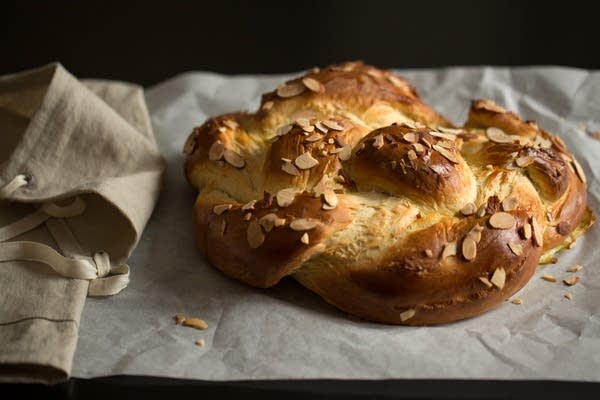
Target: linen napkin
(80, 174)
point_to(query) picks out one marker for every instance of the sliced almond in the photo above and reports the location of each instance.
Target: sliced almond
(283, 130)
(280, 222)
(491, 106)
(412, 155)
(234, 159)
(267, 106)
(378, 142)
(468, 209)
(524, 161)
(447, 144)
(200, 342)
(469, 248)
(516, 248)
(499, 278)
(396, 81)
(502, 220)
(375, 73)
(449, 250)
(190, 145)
(313, 84)
(330, 197)
(290, 168)
(303, 122)
(497, 135)
(446, 153)
(517, 301)
(549, 278)
(527, 231)
(331, 124)
(568, 296)
(574, 268)
(410, 137)
(216, 151)
(419, 148)
(247, 216)
(345, 153)
(481, 211)
(429, 253)
(195, 323)
(485, 281)
(571, 281)
(509, 204)
(452, 131)
(408, 314)
(308, 129)
(475, 233)
(538, 238)
(231, 124)
(304, 238)
(445, 136)
(315, 137)
(255, 234)
(321, 127)
(303, 224)
(542, 142)
(285, 197)
(579, 171)
(249, 205)
(306, 161)
(221, 208)
(290, 89)
(267, 221)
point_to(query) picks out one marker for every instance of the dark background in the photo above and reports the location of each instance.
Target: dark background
(146, 42)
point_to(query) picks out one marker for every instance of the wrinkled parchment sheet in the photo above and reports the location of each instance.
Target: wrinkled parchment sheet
(289, 332)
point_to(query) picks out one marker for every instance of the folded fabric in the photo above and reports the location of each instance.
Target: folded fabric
(80, 174)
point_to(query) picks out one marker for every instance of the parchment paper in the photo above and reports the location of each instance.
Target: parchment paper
(288, 332)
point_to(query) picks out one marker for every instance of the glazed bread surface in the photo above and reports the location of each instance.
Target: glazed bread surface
(347, 181)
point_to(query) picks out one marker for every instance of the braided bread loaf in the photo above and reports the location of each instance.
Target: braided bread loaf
(347, 181)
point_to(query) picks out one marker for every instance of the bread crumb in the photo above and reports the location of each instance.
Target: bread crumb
(549, 278)
(195, 323)
(571, 281)
(200, 342)
(408, 314)
(574, 268)
(568, 296)
(179, 319)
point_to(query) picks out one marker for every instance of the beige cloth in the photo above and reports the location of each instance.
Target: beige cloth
(85, 140)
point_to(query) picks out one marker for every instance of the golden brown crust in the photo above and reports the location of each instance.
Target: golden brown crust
(224, 238)
(414, 163)
(345, 180)
(357, 87)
